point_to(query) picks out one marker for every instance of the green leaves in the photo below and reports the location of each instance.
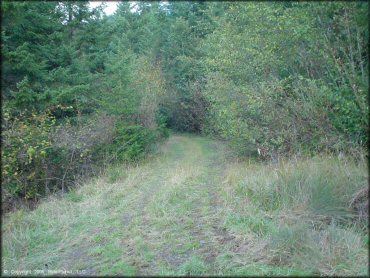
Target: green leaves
(269, 80)
(287, 76)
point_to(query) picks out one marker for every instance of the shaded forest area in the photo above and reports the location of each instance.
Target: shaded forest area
(81, 89)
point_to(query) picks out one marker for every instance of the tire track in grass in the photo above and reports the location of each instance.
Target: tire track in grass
(214, 175)
(140, 190)
(172, 212)
(200, 225)
(165, 220)
(171, 217)
(137, 244)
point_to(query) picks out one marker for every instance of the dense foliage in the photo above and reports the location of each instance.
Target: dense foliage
(81, 88)
(76, 94)
(296, 76)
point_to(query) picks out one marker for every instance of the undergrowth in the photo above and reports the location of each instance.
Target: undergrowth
(299, 214)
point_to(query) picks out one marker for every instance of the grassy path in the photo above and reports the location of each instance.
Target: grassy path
(185, 211)
(159, 218)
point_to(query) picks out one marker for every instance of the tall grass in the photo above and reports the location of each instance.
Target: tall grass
(299, 214)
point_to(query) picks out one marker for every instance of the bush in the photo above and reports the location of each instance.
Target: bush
(41, 156)
(26, 149)
(130, 142)
(288, 116)
(305, 93)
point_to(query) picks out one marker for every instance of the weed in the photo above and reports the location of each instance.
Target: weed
(74, 197)
(194, 266)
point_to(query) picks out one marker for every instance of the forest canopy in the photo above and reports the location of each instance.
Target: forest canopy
(81, 89)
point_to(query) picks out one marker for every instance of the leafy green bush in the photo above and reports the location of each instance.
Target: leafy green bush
(292, 115)
(25, 153)
(304, 93)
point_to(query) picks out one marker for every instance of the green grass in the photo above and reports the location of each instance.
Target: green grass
(194, 266)
(188, 210)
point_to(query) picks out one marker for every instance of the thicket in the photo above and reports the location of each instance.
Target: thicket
(80, 88)
(290, 77)
(76, 95)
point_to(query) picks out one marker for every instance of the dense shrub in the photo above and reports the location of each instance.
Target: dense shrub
(129, 142)
(41, 156)
(284, 116)
(300, 93)
(26, 148)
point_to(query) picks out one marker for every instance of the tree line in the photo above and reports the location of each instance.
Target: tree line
(81, 89)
